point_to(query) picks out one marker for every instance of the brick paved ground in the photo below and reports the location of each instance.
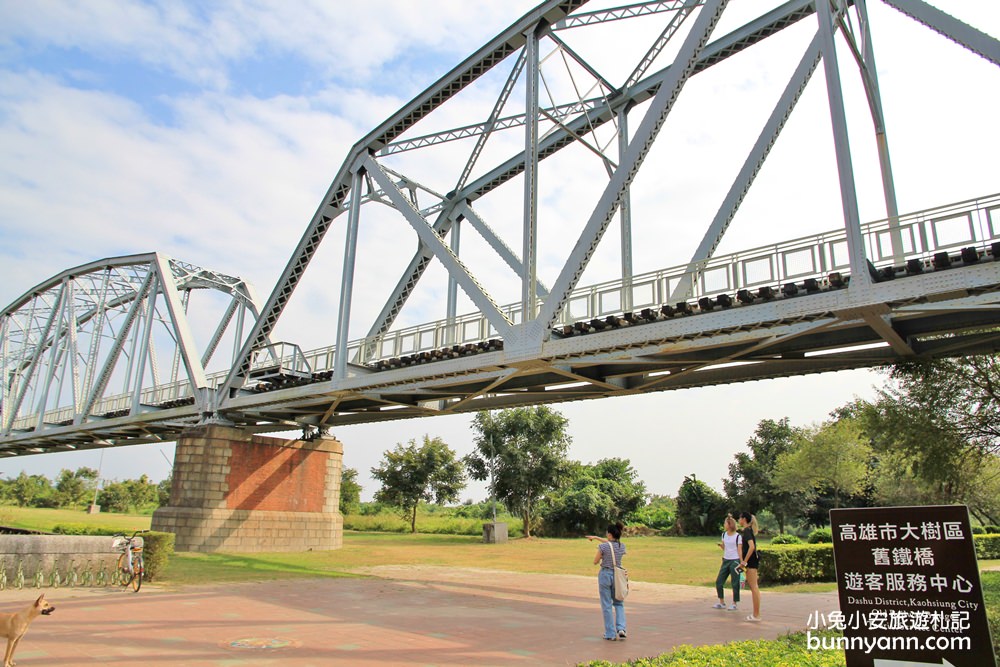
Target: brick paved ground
(397, 616)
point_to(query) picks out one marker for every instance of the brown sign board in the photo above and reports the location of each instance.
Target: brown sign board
(909, 587)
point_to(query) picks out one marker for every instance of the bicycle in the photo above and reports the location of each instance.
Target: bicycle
(102, 576)
(130, 566)
(87, 580)
(19, 577)
(73, 576)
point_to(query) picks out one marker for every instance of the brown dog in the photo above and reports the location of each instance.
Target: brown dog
(14, 625)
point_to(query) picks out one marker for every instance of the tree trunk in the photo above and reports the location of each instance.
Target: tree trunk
(525, 517)
(413, 520)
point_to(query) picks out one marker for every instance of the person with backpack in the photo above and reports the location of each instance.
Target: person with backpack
(731, 545)
(610, 552)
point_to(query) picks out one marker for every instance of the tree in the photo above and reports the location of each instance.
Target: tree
(411, 474)
(700, 508)
(750, 484)
(350, 491)
(660, 513)
(75, 488)
(834, 456)
(523, 451)
(29, 490)
(596, 495)
(163, 491)
(958, 396)
(923, 458)
(129, 495)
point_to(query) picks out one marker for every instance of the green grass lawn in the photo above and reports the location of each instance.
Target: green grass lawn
(657, 559)
(32, 518)
(690, 560)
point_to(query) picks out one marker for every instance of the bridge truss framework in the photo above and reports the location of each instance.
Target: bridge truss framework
(917, 284)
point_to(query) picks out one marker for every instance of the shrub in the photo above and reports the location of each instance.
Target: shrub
(791, 563)
(82, 529)
(991, 530)
(156, 552)
(991, 595)
(820, 536)
(987, 546)
(787, 650)
(978, 530)
(784, 538)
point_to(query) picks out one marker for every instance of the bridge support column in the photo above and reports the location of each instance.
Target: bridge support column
(237, 492)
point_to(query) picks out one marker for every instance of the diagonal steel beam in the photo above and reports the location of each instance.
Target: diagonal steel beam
(11, 410)
(751, 167)
(961, 33)
(646, 134)
(182, 329)
(502, 249)
(485, 303)
(101, 380)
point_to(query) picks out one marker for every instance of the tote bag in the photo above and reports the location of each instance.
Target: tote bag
(621, 576)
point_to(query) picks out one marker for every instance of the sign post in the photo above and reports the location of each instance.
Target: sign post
(909, 587)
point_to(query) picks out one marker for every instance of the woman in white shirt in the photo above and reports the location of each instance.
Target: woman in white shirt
(730, 545)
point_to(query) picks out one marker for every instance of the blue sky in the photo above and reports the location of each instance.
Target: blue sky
(210, 131)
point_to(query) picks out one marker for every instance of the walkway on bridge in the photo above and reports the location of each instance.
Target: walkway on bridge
(398, 616)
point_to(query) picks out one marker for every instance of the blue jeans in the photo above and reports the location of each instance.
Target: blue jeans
(606, 586)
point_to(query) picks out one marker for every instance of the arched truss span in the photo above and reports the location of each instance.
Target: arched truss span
(118, 337)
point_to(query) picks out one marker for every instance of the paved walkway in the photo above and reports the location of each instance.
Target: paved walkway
(398, 616)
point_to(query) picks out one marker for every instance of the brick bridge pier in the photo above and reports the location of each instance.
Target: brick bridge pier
(237, 492)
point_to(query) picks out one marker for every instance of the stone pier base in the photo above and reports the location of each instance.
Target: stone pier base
(240, 493)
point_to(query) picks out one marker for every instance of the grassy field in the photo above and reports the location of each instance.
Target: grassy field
(690, 560)
(682, 561)
(693, 561)
(31, 518)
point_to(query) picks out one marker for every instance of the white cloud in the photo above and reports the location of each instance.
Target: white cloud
(200, 42)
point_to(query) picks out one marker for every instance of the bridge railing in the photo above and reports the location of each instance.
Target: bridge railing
(972, 222)
(975, 222)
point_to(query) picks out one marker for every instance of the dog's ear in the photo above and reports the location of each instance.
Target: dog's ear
(40, 600)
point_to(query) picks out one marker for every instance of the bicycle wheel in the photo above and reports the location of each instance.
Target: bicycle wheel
(137, 566)
(125, 576)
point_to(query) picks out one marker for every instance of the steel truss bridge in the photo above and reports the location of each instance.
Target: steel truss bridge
(122, 351)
